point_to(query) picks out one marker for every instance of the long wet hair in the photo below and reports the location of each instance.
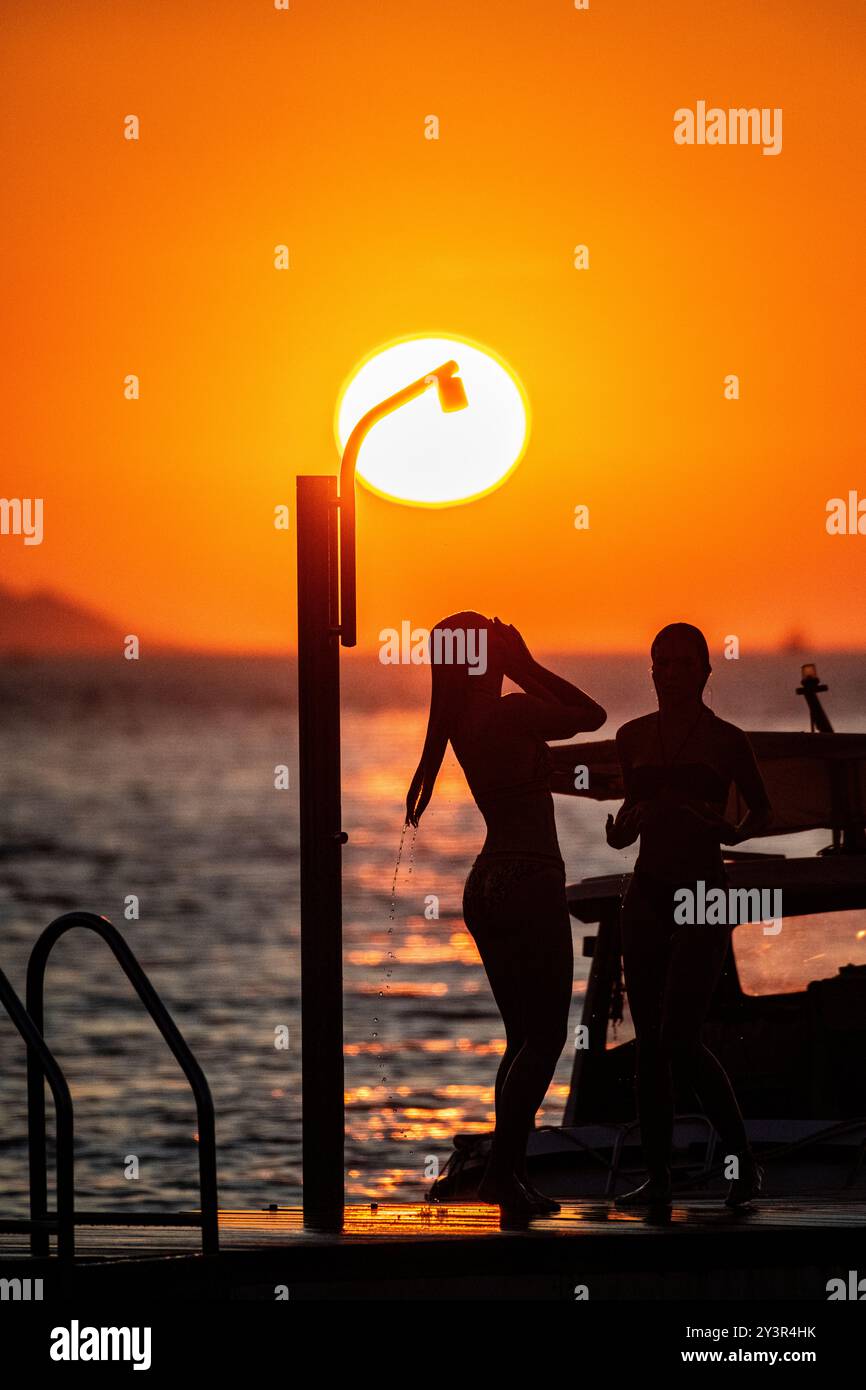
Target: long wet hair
(692, 634)
(449, 691)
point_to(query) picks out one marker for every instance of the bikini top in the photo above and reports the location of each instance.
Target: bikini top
(539, 781)
(695, 781)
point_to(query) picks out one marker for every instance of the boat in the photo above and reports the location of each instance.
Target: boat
(788, 1017)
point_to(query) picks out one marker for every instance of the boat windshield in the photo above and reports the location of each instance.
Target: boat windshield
(806, 949)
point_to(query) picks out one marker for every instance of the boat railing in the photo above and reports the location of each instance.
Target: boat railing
(814, 782)
(685, 1127)
(37, 1069)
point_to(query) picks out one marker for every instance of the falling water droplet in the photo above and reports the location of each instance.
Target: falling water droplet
(412, 850)
(396, 872)
(393, 913)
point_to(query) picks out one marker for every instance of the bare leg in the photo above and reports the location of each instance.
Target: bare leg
(526, 948)
(645, 955)
(697, 958)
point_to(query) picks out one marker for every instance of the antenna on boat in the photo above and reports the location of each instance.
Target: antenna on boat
(809, 687)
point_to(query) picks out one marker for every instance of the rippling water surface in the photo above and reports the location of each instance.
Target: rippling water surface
(157, 779)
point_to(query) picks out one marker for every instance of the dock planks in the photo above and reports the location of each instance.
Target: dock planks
(781, 1248)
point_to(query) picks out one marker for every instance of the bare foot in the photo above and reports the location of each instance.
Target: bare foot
(516, 1206)
(748, 1185)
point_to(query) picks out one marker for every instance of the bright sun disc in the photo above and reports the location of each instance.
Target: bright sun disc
(421, 454)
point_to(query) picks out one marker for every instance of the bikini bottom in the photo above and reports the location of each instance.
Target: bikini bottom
(500, 883)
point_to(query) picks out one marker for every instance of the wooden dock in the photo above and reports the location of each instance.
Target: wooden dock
(781, 1249)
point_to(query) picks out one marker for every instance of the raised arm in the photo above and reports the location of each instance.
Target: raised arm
(559, 707)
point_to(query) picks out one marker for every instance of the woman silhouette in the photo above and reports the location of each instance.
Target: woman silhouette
(514, 901)
(677, 767)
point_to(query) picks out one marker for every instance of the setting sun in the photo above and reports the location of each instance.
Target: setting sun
(420, 454)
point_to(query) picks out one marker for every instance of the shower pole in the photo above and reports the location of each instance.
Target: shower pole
(323, 1132)
(327, 620)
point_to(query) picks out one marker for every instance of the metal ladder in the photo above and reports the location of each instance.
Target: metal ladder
(40, 1056)
(42, 1066)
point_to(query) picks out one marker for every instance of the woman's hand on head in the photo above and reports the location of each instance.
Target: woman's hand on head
(516, 654)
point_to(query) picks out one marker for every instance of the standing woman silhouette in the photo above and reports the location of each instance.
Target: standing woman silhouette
(514, 902)
(677, 767)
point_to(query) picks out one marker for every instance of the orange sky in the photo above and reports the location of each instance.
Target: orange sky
(307, 127)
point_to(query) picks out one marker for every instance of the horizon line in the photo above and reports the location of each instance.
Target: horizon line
(174, 649)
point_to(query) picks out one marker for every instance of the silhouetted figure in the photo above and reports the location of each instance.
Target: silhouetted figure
(514, 901)
(677, 767)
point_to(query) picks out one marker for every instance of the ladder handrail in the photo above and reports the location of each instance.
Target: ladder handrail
(171, 1035)
(49, 1070)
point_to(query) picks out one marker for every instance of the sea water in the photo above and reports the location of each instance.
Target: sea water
(159, 784)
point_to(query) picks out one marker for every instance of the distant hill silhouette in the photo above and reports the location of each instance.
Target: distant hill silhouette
(41, 623)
